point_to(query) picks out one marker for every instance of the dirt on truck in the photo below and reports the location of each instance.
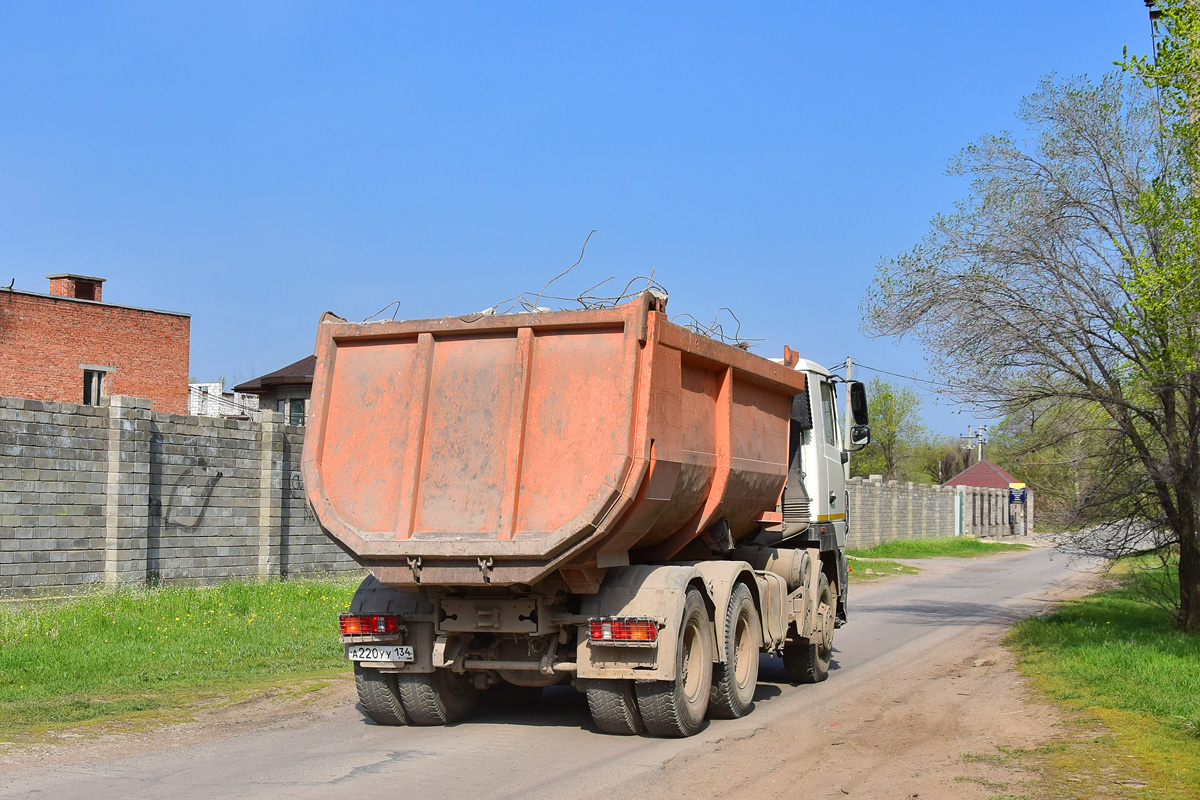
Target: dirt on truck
(597, 497)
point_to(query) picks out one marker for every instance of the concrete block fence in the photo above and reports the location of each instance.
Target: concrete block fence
(119, 494)
(882, 511)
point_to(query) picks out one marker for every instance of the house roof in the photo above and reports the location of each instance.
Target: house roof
(105, 304)
(983, 474)
(299, 373)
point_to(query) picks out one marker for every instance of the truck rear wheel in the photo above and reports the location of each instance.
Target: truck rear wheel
(437, 698)
(807, 660)
(734, 681)
(378, 695)
(614, 707)
(676, 708)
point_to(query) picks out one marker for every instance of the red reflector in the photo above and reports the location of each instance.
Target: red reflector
(367, 624)
(623, 630)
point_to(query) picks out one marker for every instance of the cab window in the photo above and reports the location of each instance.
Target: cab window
(829, 414)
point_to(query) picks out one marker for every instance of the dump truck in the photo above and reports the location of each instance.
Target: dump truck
(599, 497)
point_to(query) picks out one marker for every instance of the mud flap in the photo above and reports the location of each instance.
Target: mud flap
(843, 573)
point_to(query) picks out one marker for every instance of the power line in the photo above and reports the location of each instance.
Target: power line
(912, 378)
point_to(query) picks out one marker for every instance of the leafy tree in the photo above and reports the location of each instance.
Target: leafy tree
(1067, 280)
(896, 431)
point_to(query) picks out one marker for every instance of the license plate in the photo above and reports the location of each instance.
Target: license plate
(379, 652)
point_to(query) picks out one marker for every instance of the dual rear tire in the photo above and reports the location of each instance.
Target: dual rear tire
(677, 708)
(438, 698)
(378, 695)
(735, 680)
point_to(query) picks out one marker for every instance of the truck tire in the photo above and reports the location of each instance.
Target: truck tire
(676, 708)
(807, 660)
(378, 696)
(614, 707)
(734, 681)
(437, 698)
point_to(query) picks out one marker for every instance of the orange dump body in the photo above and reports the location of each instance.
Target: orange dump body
(504, 449)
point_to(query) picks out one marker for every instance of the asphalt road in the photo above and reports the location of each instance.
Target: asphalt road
(551, 749)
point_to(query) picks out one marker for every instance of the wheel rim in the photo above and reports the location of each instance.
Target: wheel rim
(742, 651)
(692, 666)
(825, 617)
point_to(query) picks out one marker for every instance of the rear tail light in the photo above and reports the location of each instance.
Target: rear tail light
(623, 631)
(367, 624)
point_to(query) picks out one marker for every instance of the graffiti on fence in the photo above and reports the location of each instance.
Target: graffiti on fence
(297, 490)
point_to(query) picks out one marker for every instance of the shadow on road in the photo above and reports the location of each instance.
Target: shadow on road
(953, 614)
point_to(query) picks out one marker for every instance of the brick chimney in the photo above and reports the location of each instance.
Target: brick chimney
(81, 287)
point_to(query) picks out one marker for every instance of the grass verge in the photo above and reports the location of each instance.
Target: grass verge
(110, 655)
(1134, 683)
(864, 570)
(951, 546)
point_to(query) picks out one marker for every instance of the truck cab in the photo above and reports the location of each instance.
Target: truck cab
(814, 506)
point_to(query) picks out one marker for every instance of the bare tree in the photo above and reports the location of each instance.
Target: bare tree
(1056, 284)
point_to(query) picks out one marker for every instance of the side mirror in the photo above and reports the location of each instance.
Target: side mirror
(858, 404)
(860, 436)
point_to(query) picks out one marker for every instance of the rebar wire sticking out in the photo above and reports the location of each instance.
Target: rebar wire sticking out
(715, 330)
(395, 303)
(582, 250)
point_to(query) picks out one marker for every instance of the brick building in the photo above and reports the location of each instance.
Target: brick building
(70, 346)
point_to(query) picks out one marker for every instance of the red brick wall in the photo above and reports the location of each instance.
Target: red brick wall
(44, 340)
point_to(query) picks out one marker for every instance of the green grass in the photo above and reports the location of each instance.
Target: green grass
(862, 570)
(1120, 661)
(951, 546)
(112, 654)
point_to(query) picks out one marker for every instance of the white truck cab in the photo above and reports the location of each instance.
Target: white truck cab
(814, 506)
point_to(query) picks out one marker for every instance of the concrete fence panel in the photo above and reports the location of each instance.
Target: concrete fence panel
(119, 494)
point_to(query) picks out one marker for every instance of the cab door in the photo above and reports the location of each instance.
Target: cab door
(832, 502)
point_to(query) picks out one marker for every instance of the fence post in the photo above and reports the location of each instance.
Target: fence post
(270, 495)
(127, 495)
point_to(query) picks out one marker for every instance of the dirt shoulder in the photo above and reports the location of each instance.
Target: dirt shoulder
(222, 718)
(954, 726)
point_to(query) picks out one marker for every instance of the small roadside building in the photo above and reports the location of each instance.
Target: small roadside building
(985, 474)
(70, 346)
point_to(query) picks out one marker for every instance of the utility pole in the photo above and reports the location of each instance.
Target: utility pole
(846, 416)
(975, 440)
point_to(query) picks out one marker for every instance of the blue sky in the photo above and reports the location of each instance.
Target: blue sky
(255, 163)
